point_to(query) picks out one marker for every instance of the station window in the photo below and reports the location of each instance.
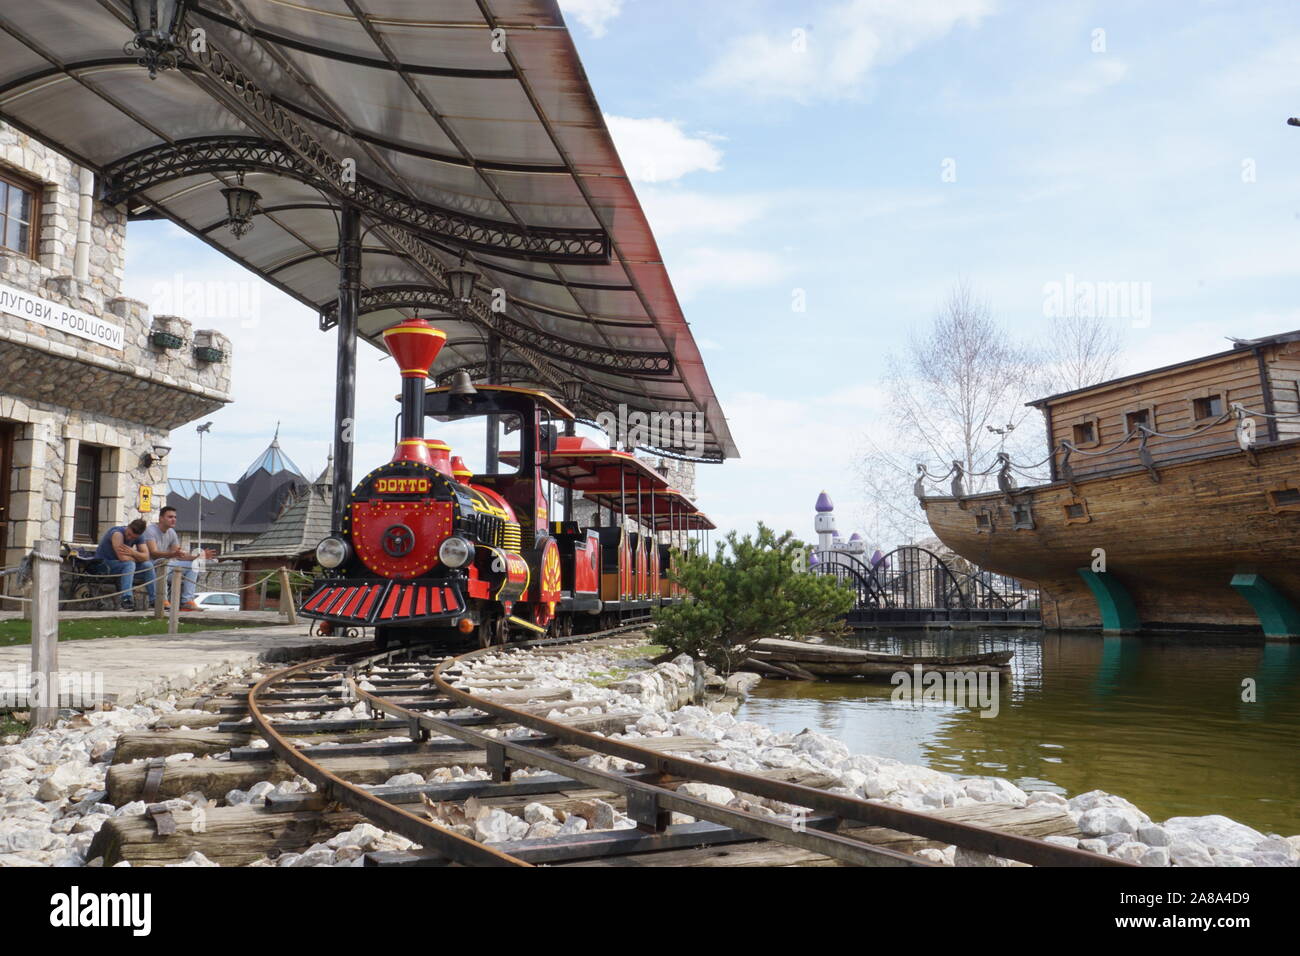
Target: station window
(85, 523)
(1022, 517)
(1085, 433)
(1211, 406)
(19, 215)
(983, 521)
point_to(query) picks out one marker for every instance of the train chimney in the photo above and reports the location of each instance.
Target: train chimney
(415, 345)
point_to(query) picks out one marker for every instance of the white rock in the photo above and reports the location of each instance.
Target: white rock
(539, 813)
(1047, 798)
(543, 829)
(1214, 830)
(573, 825)
(404, 780)
(933, 855)
(198, 859)
(315, 856)
(498, 826)
(1187, 851)
(1059, 840)
(1104, 819)
(1152, 834)
(363, 835)
(707, 791)
(1155, 856)
(1130, 850)
(651, 724)
(235, 798)
(1094, 846)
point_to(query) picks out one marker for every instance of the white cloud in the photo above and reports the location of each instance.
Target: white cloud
(673, 211)
(593, 14)
(657, 150)
(787, 457)
(1101, 72)
(834, 60)
(708, 268)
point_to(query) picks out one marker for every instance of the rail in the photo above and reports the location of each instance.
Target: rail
(650, 794)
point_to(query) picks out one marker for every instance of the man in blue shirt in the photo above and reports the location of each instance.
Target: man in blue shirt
(120, 551)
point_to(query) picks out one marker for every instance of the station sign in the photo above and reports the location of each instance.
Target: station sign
(34, 308)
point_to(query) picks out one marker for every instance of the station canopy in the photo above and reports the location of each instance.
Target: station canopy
(464, 131)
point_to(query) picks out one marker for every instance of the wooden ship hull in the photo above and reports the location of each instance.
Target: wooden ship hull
(828, 661)
(1175, 544)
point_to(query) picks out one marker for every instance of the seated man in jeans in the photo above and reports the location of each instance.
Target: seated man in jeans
(119, 552)
(161, 541)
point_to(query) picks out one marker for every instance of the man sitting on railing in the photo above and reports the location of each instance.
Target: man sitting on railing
(162, 541)
(119, 552)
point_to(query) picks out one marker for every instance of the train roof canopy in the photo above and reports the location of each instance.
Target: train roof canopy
(463, 131)
(580, 463)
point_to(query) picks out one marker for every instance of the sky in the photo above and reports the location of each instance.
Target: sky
(818, 175)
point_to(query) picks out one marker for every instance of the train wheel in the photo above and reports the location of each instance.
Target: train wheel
(485, 631)
(502, 631)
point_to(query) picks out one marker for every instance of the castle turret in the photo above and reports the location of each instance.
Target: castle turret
(824, 524)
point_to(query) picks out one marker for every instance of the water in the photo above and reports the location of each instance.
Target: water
(1158, 720)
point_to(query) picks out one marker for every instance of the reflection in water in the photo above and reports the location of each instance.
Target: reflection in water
(1160, 720)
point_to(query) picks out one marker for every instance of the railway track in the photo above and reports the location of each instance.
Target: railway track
(526, 754)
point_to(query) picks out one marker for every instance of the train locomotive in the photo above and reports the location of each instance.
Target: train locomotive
(428, 550)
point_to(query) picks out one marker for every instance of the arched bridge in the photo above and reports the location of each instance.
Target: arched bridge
(913, 586)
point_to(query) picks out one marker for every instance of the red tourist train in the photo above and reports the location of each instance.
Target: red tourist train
(429, 549)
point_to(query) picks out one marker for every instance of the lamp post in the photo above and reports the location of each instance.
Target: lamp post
(203, 430)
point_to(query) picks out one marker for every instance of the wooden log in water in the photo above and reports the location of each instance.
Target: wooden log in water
(829, 661)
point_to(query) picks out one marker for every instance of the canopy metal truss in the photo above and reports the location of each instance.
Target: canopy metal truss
(389, 141)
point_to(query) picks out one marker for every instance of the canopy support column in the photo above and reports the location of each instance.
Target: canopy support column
(345, 383)
(570, 429)
(493, 426)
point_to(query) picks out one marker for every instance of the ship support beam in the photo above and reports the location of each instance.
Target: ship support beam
(1118, 612)
(1277, 615)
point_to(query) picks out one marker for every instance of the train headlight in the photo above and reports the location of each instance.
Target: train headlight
(331, 553)
(455, 552)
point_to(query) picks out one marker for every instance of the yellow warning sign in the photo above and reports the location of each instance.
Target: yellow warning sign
(146, 499)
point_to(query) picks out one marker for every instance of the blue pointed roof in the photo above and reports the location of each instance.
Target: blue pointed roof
(273, 461)
(824, 503)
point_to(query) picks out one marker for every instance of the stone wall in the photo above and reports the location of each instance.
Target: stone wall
(63, 391)
(60, 213)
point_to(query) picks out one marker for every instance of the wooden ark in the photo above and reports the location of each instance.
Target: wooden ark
(1155, 514)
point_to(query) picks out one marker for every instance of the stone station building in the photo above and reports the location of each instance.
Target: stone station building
(90, 384)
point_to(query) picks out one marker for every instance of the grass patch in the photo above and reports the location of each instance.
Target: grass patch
(8, 725)
(16, 632)
(615, 675)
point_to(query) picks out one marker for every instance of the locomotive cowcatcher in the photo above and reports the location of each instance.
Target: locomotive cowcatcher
(429, 550)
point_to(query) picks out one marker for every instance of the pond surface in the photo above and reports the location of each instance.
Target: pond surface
(1159, 720)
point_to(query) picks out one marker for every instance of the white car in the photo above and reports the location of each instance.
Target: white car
(217, 601)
